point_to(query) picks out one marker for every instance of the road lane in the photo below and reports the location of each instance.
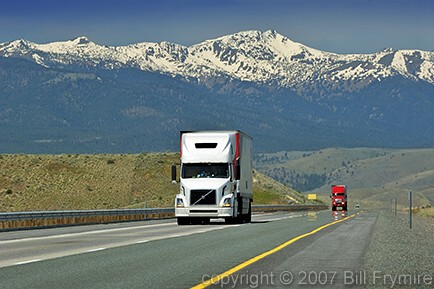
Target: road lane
(172, 262)
(330, 258)
(29, 246)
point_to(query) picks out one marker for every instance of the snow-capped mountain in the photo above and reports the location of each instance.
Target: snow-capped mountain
(79, 96)
(252, 56)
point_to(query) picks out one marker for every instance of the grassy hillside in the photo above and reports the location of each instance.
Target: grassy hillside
(374, 176)
(306, 171)
(64, 182)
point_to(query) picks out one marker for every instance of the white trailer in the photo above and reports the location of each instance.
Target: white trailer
(216, 177)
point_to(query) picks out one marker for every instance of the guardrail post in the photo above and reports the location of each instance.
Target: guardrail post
(410, 212)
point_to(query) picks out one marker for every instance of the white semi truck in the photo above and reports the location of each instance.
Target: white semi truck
(215, 177)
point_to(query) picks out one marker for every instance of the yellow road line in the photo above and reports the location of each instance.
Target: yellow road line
(217, 278)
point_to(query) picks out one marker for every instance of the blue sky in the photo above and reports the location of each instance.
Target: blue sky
(341, 26)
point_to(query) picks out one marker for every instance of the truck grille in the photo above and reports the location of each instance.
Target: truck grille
(202, 197)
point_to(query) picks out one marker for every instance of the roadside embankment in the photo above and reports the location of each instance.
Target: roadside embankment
(400, 257)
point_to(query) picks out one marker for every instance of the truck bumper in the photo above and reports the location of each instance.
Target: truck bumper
(208, 212)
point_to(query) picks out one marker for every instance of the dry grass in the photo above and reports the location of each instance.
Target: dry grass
(71, 182)
(424, 212)
(268, 191)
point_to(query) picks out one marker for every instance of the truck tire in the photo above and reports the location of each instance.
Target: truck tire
(248, 217)
(183, 221)
(234, 220)
(333, 208)
(230, 220)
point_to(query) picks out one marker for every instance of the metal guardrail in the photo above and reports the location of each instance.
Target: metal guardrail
(21, 220)
(81, 213)
(17, 220)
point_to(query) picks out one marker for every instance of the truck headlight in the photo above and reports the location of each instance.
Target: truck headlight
(227, 201)
(179, 203)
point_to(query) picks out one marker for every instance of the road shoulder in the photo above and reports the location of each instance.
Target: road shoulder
(398, 256)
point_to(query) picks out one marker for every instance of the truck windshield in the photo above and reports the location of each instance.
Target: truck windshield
(339, 195)
(205, 170)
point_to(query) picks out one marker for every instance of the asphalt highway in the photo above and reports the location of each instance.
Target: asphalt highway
(161, 254)
(329, 258)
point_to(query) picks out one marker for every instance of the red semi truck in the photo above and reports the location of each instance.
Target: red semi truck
(339, 197)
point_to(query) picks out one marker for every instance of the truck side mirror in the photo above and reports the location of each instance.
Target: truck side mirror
(174, 174)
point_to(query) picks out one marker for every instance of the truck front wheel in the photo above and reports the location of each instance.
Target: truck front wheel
(183, 221)
(234, 220)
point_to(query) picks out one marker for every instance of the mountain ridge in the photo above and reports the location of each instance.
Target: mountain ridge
(79, 96)
(247, 56)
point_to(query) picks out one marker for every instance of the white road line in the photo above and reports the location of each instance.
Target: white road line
(95, 250)
(282, 218)
(142, 241)
(82, 233)
(27, 262)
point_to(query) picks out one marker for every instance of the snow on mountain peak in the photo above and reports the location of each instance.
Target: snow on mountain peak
(265, 57)
(9, 48)
(80, 40)
(387, 50)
